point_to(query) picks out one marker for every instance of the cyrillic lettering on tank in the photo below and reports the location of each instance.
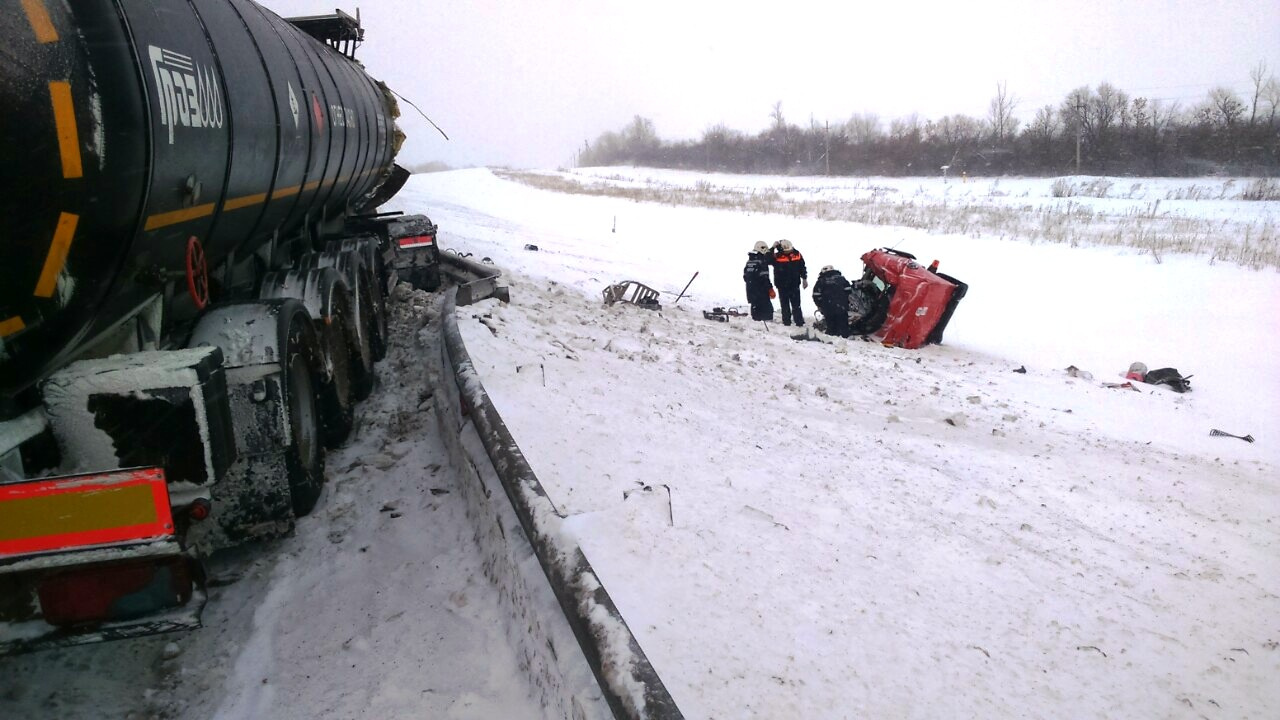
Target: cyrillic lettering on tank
(187, 94)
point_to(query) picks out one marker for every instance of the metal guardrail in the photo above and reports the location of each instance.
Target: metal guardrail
(628, 681)
(475, 281)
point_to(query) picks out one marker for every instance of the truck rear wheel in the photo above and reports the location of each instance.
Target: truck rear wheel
(350, 265)
(375, 269)
(328, 299)
(337, 404)
(304, 458)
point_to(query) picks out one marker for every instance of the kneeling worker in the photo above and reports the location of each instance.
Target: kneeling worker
(831, 295)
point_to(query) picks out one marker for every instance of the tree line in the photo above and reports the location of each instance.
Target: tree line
(1100, 130)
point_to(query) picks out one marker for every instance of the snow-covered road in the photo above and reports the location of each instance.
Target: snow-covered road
(377, 607)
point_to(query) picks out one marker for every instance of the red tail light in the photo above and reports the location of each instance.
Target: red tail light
(199, 509)
(408, 243)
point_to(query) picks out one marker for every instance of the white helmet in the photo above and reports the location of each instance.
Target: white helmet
(786, 245)
(825, 268)
(760, 247)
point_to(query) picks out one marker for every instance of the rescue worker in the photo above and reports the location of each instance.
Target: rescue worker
(756, 275)
(789, 274)
(831, 295)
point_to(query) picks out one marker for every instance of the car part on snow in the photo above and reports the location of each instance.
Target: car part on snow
(721, 314)
(1175, 380)
(475, 280)
(1219, 433)
(631, 291)
(1076, 372)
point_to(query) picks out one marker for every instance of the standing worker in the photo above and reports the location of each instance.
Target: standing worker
(788, 274)
(756, 276)
(831, 295)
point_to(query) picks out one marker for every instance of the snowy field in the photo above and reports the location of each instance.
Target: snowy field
(1220, 218)
(839, 529)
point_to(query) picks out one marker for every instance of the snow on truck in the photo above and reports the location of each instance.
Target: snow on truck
(192, 278)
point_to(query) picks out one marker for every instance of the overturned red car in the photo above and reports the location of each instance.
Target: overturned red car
(920, 300)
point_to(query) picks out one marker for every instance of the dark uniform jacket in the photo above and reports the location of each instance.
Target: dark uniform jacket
(831, 293)
(756, 277)
(788, 268)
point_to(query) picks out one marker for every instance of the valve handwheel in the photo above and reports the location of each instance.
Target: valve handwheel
(197, 273)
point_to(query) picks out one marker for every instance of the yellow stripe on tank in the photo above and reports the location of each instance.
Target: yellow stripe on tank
(11, 326)
(64, 116)
(166, 219)
(243, 202)
(38, 16)
(57, 257)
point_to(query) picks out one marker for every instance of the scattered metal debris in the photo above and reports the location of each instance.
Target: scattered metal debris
(634, 292)
(1219, 433)
(720, 314)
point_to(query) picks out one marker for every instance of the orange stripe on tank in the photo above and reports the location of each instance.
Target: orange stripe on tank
(11, 326)
(160, 220)
(38, 16)
(64, 117)
(243, 202)
(57, 257)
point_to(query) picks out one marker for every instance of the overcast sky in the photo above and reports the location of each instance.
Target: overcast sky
(524, 83)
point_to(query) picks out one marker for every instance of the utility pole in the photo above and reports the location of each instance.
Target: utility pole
(826, 141)
(1079, 132)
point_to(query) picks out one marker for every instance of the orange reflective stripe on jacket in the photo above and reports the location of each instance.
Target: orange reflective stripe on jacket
(793, 256)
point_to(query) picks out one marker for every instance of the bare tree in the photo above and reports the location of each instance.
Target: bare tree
(955, 131)
(905, 128)
(641, 134)
(779, 122)
(1271, 94)
(863, 128)
(1044, 126)
(1261, 78)
(1224, 107)
(1000, 114)
(1106, 110)
(1074, 111)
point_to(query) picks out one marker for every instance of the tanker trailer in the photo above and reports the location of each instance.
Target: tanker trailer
(191, 288)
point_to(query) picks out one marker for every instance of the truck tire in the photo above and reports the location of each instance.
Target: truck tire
(304, 458)
(376, 269)
(363, 374)
(350, 264)
(337, 401)
(275, 366)
(328, 299)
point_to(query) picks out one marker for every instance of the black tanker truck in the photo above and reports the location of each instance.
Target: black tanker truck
(191, 294)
